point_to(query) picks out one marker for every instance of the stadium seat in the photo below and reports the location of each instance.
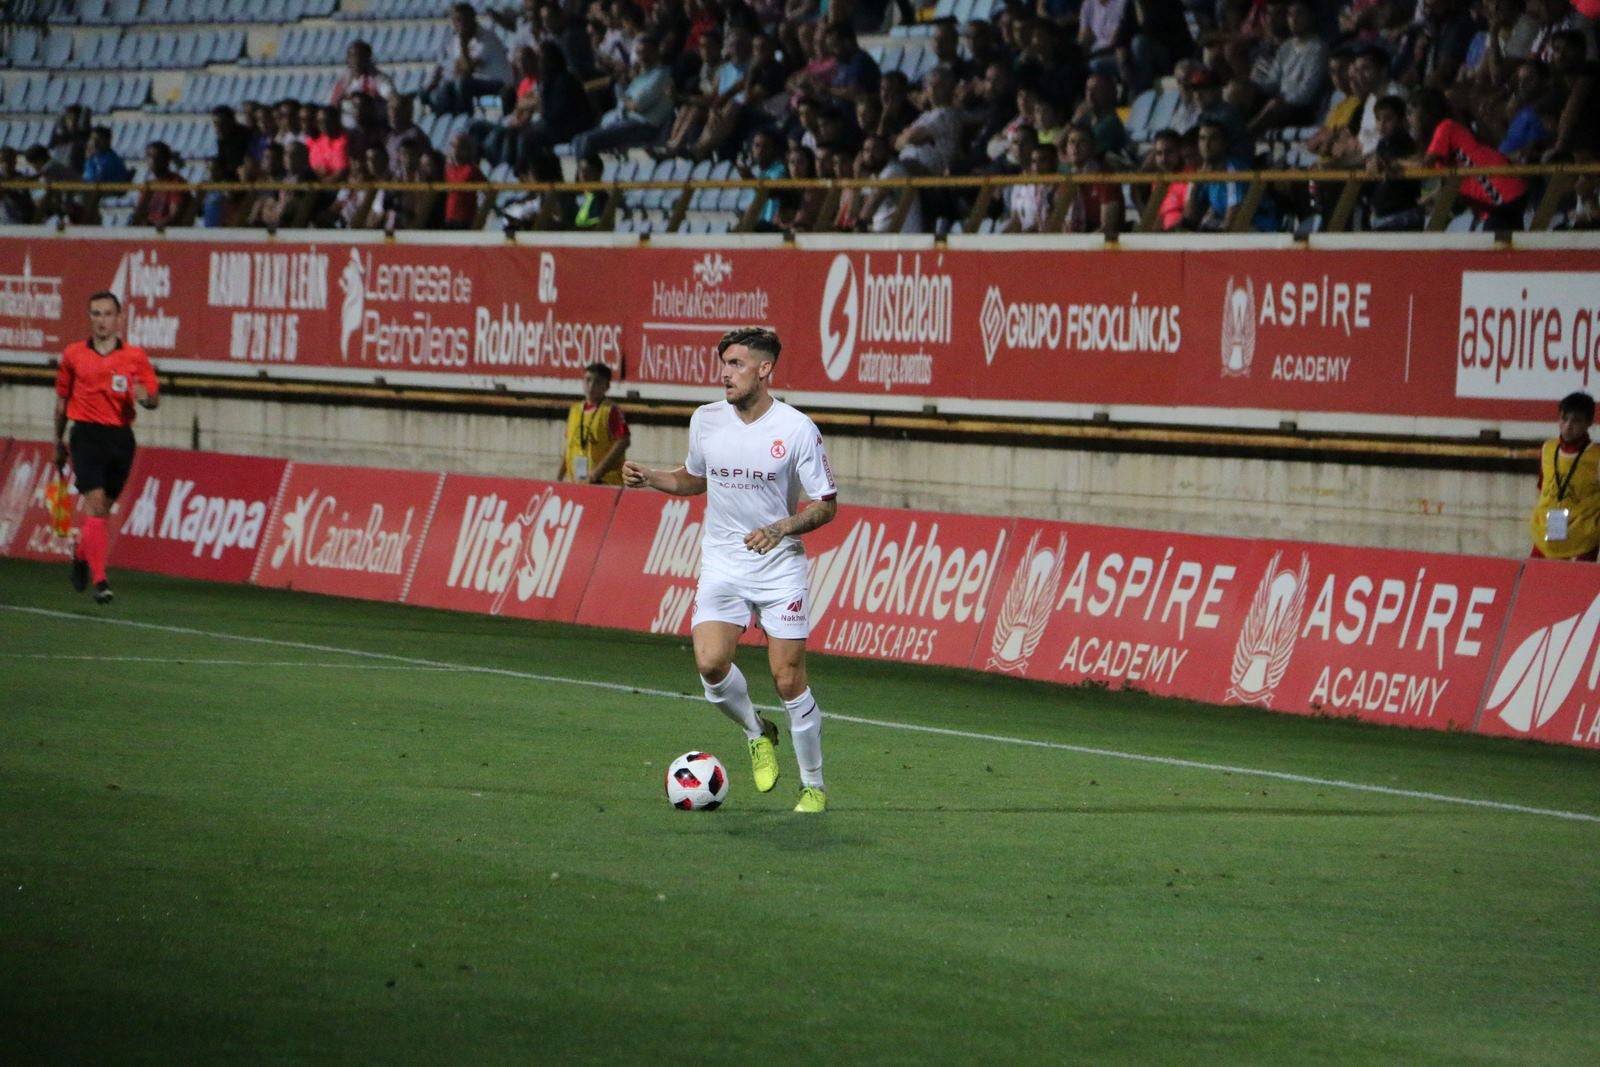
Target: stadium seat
(56, 51)
(25, 47)
(92, 12)
(1138, 120)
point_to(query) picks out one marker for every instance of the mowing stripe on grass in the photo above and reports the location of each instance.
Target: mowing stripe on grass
(190, 661)
(999, 739)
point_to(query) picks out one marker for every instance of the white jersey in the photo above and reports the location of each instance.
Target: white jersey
(755, 475)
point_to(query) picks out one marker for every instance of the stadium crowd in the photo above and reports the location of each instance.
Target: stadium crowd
(780, 88)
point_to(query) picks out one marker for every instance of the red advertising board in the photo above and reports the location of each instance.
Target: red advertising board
(1130, 609)
(905, 586)
(197, 514)
(1384, 636)
(644, 576)
(25, 529)
(504, 546)
(348, 531)
(1420, 333)
(1546, 682)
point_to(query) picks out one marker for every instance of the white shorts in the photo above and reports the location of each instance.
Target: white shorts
(782, 615)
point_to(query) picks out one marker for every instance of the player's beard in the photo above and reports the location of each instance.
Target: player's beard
(745, 400)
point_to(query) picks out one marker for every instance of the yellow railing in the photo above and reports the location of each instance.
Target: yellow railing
(1560, 181)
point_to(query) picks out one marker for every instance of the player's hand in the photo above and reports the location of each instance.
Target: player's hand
(763, 540)
(634, 476)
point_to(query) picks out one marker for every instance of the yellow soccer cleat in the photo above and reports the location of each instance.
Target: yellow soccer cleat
(764, 757)
(813, 801)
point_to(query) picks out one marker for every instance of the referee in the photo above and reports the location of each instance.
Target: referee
(96, 388)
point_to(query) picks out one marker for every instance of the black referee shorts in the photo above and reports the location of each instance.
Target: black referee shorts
(102, 456)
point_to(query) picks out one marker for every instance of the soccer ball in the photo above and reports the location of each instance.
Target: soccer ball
(696, 781)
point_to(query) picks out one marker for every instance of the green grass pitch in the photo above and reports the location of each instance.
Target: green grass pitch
(223, 850)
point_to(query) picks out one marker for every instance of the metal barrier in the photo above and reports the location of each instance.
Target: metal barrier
(1559, 182)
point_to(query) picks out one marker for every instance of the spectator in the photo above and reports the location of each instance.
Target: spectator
(1556, 17)
(947, 52)
(102, 164)
(1496, 202)
(217, 206)
(1167, 159)
(290, 208)
(69, 140)
(50, 202)
(1393, 203)
(1529, 129)
(162, 207)
(766, 162)
(16, 205)
(931, 144)
(1099, 113)
(352, 204)
(501, 140)
(643, 109)
(1154, 36)
(694, 108)
(1370, 77)
(461, 206)
(330, 148)
(855, 73)
(725, 107)
(881, 203)
(571, 37)
(1437, 45)
(233, 138)
(1577, 85)
(897, 110)
(1293, 80)
(361, 75)
(1099, 22)
(592, 202)
(1213, 108)
(403, 128)
(799, 210)
(564, 109)
(1215, 205)
(286, 114)
(765, 103)
(250, 207)
(1050, 66)
(1095, 207)
(1032, 205)
(474, 64)
(993, 107)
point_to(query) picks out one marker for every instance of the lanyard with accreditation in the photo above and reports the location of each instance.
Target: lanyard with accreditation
(1555, 520)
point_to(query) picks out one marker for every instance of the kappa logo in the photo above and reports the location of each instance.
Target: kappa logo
(992, 322)
(713, 269)
(777, 450)
(1028, 604)
(841, 317)
(1538, 677)
(1266, 640)
(353, 280)
(1238, 329)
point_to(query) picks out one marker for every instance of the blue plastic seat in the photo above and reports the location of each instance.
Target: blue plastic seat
(25, 47)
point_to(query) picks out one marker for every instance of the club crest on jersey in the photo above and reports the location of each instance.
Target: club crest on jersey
(777, 450)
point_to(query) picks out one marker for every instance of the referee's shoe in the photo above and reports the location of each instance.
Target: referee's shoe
(80, 574)
(102, 592)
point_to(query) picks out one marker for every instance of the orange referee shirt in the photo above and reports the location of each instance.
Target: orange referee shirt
(100, 388)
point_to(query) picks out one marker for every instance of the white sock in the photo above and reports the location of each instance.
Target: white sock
(731, 696)
(805, 730)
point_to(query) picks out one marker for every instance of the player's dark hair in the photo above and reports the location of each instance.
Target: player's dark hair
(1578, 404)
(755, 338)
(600, 369)
(106, 294)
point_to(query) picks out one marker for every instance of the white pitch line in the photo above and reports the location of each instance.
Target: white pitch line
(190, 661)
(1000, 739)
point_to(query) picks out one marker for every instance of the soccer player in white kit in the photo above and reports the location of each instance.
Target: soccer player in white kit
(754, 457)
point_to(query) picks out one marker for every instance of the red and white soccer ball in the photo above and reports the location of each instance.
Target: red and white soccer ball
(697, 781)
